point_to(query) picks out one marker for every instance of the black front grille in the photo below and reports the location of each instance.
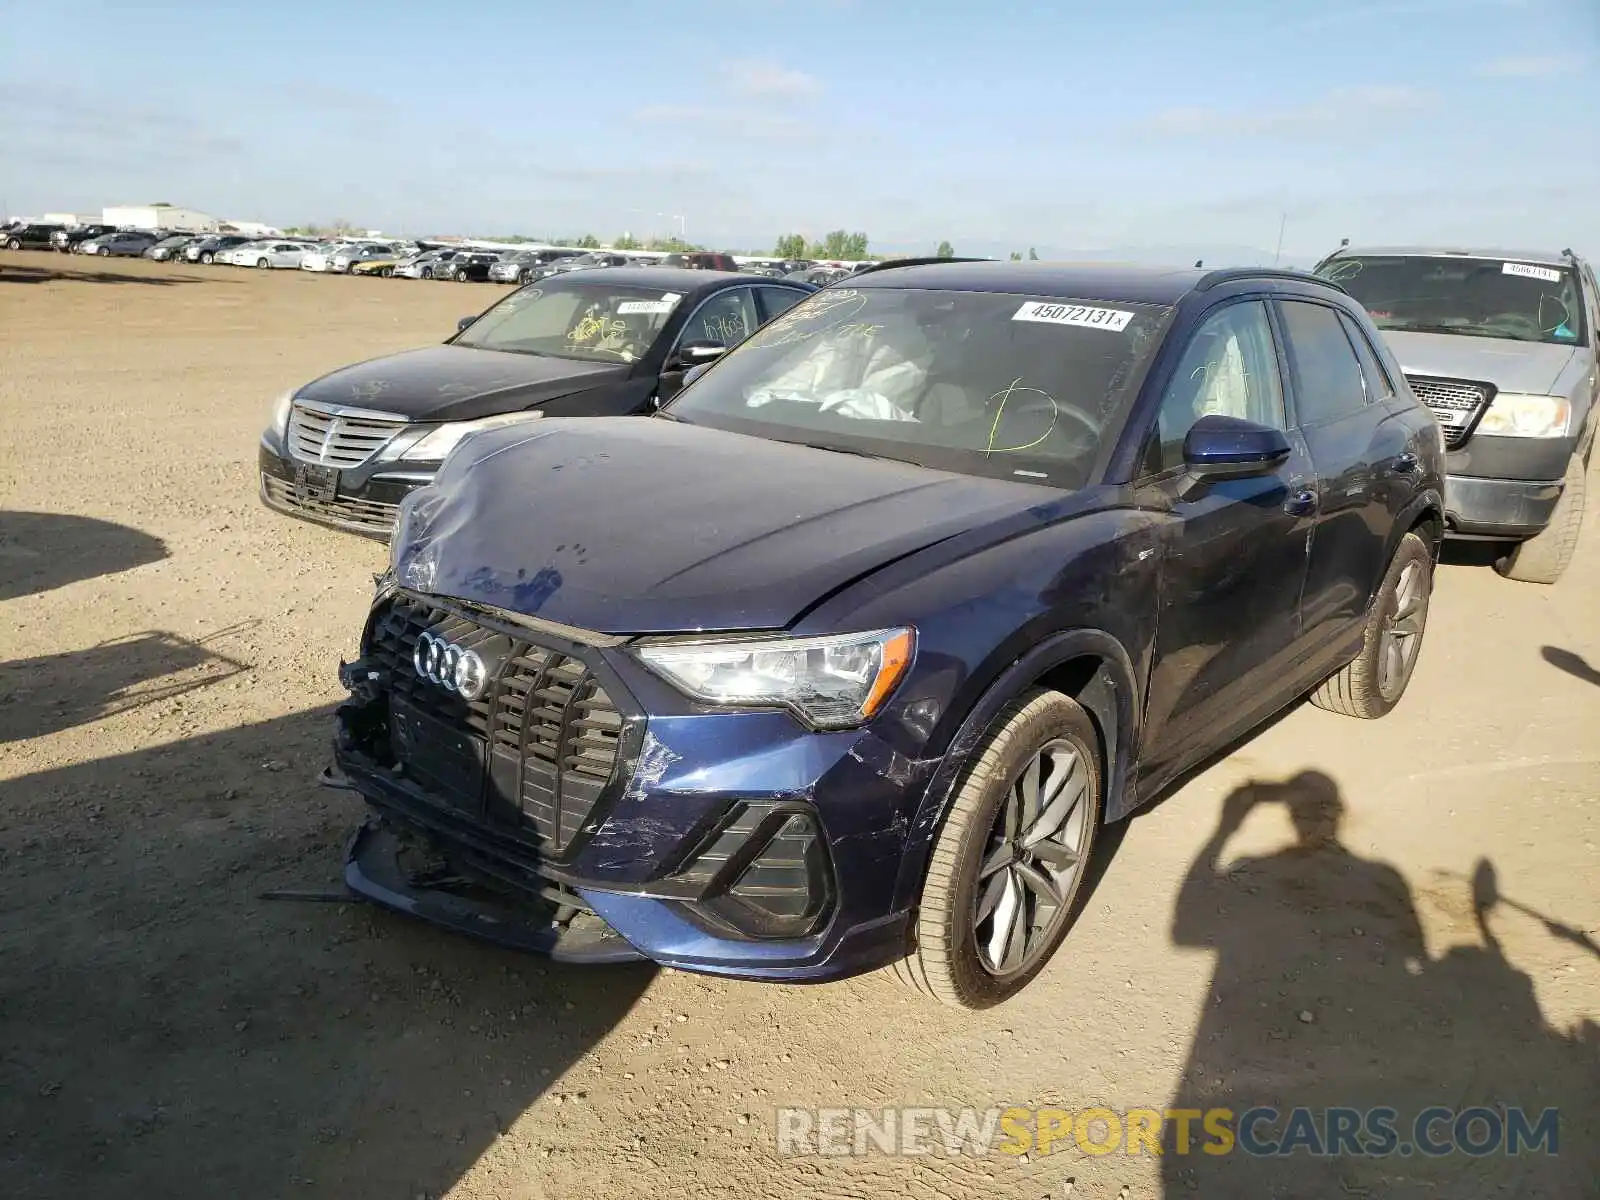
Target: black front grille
(540, 744)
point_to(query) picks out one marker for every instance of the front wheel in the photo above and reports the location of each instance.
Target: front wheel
(208, 258)
(461, 276)
(386, 272)
(104, 252)
(1010, 859)
(1543, 558)
(14, 244)
(1371, 684)
(262, 264)
(427, 272)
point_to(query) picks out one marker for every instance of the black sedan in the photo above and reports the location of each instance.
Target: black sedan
(473, 266)
(346, 448)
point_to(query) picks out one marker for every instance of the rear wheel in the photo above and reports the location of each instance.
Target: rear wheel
(1372, 683)
(1543, 558)
(461, 274)
(1010, 859)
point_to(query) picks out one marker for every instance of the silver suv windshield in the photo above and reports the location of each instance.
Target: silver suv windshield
(1008, 386)
(1477, 297)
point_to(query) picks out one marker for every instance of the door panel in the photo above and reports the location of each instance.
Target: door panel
(1356, 448)
(1233, 552)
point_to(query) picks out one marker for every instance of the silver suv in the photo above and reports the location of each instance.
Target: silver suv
(1502, 347)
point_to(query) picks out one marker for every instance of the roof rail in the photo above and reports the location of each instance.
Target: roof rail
(888, 263)
(1229, 274)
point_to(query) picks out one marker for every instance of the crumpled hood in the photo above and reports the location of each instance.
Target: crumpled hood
(647, 525)
(1511, 366)
(457, 383)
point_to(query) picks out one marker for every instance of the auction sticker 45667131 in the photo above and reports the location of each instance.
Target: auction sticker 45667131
(1086, 315)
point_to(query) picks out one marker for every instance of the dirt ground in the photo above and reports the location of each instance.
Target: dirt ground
(167, 662)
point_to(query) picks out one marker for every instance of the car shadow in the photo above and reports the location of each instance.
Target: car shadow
(42, 551)
(171, 1032)
(12, 273)
(44, 695)
(1323, 997)
(1573, 664)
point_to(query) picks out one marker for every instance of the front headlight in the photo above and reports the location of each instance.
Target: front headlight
(1512, 414)
(278, 417)
(832, 682)
(436, 445)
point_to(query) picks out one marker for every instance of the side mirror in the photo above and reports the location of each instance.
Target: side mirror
(464, 322)
(1230, 448)
(696, 354)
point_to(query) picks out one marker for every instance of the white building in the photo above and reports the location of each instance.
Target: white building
(159, 216)
(252, 228)
(65, 219)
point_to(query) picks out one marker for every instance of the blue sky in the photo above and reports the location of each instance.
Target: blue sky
(1066, 125)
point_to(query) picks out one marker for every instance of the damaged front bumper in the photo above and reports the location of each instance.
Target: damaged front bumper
(733, 843)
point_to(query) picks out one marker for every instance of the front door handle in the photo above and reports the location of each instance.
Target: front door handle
(1301, 504)
(1405, 462)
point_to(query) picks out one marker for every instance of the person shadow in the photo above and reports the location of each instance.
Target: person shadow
(1324, 997)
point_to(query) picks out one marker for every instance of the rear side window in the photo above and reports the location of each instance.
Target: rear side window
(775, 300)
(1328, 380)
(1379, 386)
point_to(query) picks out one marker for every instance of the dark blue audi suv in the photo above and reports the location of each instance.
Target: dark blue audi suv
(847, 656)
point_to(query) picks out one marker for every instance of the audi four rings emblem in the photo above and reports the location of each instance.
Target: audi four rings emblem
(452, 668)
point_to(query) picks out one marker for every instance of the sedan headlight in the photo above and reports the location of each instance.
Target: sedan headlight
(435, 445)
(832, 682)
(278, 417)
(1513, 414)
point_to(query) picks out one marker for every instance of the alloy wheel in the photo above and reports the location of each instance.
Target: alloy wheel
(1036, 851)
(1401, 638)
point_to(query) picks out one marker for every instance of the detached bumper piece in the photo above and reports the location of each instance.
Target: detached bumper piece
(404, 869)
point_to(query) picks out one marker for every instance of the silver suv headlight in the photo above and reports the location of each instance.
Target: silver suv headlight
(1514, 414)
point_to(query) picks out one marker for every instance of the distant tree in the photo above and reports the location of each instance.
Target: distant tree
(945, 250)
(626, 242)
(790, 245)
(339, 227)
(587, 242)
(838, 244)
(672, 245)
(1033, 255)
(1015, 257)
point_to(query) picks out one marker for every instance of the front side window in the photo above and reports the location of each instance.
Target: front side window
(1479, 297)
(1007, 386)
(1230, 369)
(567, 317)
(728, 317)
(1328, 382)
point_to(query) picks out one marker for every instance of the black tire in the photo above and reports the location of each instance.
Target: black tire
(208, 258)
(14, 244)
(1543, 558)
(1356, 689)
(262, 264)
(386, 272)
(104, 252)
(945, 964)
(461, 274)
(427, 272)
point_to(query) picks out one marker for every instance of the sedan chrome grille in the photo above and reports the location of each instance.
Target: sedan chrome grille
(1457, 403)
(339, 437)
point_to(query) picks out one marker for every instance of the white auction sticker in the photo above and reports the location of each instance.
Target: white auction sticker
(1549, 275)
(627, 307)
(670, 297)
(1114, 319)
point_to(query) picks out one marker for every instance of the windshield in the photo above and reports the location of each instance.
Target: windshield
(574, 318)
(1007, 386)
(1522, 302)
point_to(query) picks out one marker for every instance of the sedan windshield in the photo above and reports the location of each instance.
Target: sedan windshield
(1522, 302)
(1008, 386)
(575, 318)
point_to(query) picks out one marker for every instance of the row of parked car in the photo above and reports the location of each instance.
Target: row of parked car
(404, 260)
(785, 633)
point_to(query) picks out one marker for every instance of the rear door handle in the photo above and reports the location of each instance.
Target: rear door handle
(1301, 504)
(1405, 462)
